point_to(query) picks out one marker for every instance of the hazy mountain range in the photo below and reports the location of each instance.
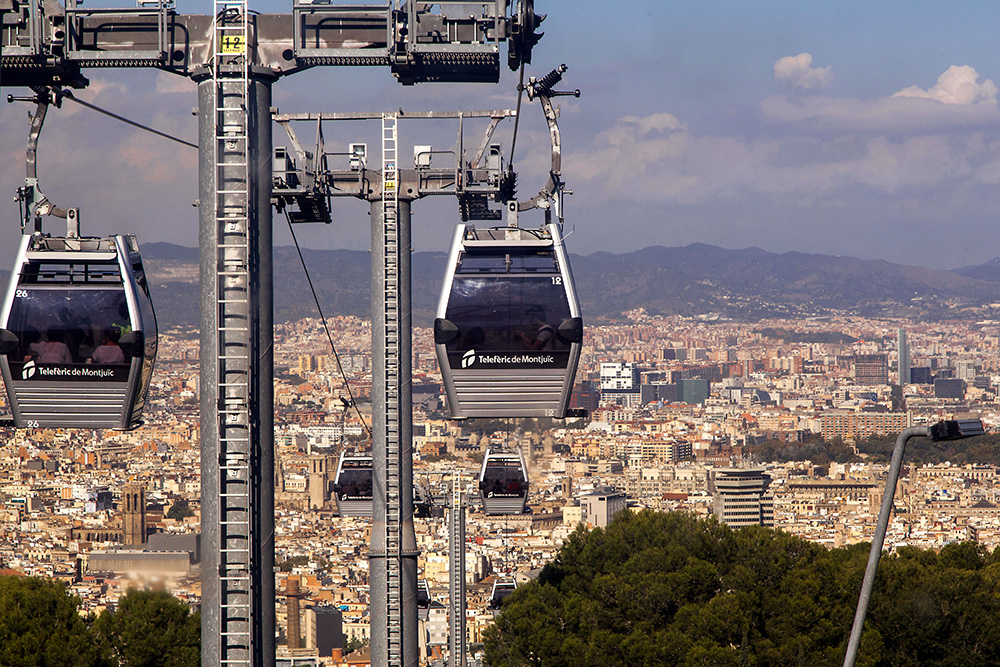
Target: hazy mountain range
(695, 280)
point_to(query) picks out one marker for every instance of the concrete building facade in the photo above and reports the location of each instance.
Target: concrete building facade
(743, 497)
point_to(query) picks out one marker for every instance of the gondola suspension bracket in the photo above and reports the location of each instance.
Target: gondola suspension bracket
(550, 197)
(32, 201)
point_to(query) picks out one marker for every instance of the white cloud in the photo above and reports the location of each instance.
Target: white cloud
(958, 85)
(172, 83)
(886, 114)
(958, 100)
(656, 158)
(659, 159)
(798, 71)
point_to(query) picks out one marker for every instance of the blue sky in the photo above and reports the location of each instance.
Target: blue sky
(856, 128)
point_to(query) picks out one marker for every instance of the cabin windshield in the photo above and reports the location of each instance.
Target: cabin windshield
(355, 483)
(501, 591)
(508, 313)
(78, 326)
(503, 478)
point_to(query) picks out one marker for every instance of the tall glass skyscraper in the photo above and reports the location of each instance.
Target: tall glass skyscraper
(904, 357)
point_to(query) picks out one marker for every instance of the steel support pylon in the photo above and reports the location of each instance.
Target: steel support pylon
(236, 343)
(393, 555)
(456, 575)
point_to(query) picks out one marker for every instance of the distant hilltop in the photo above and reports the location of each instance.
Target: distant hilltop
(694, 280)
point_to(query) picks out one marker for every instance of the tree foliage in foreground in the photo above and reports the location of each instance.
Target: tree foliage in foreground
(669, 589)
(150, 629)
(40, 626)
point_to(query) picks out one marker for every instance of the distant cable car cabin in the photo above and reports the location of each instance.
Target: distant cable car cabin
(352, 487)
(508, 330)
(423, 594)
(502, 589)
(503, 483)
(78, 333)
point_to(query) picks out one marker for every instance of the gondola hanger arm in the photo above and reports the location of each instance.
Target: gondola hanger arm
(550, 197)
(35, 203)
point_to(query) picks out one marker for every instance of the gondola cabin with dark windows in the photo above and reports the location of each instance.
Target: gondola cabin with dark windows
(508, 329)
(352, 488)
(503, 483)
(78, 334)
(502, 589)
(423, 594)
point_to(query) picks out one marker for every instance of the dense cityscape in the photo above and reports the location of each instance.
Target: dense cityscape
(677, 409)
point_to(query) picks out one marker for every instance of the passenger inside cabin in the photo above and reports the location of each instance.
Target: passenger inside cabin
(29, 336)
(545, 334)
(52, 350)
(123, 324)
(109, 352)
(76, 325)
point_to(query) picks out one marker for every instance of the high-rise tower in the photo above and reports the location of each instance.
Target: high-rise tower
(904, 357)
(743, 497)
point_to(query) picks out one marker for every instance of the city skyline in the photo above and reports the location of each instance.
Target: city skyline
(869, 131)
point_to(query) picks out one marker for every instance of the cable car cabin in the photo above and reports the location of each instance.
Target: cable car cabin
(508, 328)
(77, 334)
(423, 594)
(502, 588)
(352, 487)
(503, 483)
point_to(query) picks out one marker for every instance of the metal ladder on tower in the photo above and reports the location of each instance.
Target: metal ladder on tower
(230, 70)
(456, 574)
(393, 523)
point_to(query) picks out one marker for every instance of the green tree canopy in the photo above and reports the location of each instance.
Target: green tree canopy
(150, 629)
(669, 589)
(40, 625)
(180, 510)
(982, 449)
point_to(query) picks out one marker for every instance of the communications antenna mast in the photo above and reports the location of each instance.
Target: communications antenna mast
(235, 56)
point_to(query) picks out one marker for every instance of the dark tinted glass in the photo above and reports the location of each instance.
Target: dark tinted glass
(45, 318)
(502, 477)
(355, 482)
(492, 312)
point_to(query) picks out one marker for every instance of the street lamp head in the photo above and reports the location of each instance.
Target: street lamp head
(956, 429)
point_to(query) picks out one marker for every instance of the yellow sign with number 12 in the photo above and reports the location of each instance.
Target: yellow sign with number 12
(234, 44)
